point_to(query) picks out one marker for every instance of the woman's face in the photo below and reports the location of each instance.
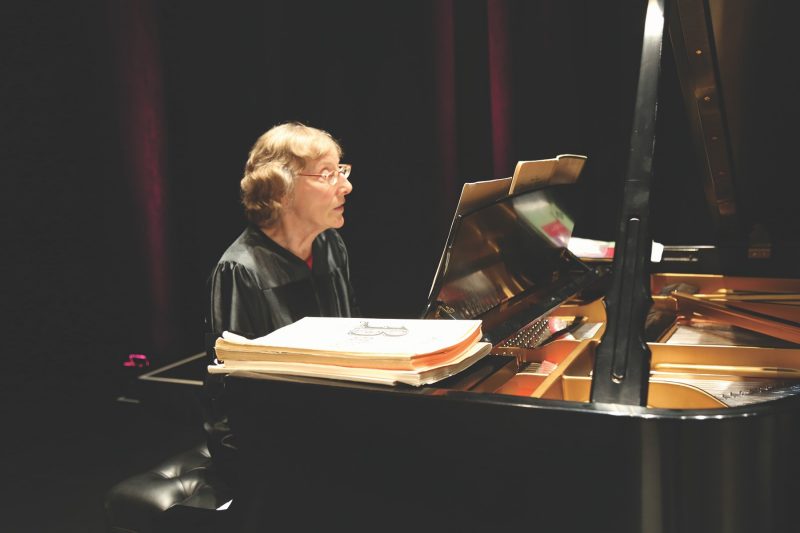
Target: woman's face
(316, 204)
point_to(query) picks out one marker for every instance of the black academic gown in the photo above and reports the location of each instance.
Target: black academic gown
(257, 287)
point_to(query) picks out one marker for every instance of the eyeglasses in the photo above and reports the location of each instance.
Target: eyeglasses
(332, 177)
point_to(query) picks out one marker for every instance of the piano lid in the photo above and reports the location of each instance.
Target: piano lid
(508, 239)
(727, 98)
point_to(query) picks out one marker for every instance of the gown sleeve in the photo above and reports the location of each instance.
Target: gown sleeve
(235, 302)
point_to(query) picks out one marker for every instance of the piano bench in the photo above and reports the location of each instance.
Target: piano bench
(184, 488)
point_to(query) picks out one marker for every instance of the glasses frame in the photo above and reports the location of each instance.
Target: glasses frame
(342, 171)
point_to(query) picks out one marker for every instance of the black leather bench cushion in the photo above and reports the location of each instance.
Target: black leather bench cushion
(134, 504)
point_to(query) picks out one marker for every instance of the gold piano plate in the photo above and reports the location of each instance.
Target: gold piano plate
(703, 358)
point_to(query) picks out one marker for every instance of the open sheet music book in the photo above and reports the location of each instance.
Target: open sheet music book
(415, 352)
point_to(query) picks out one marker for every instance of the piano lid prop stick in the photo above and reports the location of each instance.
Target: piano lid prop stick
(622, 361)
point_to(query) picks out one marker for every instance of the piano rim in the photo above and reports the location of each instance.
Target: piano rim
(771, 407)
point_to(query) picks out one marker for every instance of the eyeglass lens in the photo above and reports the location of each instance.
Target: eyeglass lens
(342, 171)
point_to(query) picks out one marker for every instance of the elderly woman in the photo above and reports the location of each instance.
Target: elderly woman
(289, 262)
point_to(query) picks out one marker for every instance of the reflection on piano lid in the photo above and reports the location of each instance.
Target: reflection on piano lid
(500, 252)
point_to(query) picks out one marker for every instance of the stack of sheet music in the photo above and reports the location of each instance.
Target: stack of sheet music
(386, 351)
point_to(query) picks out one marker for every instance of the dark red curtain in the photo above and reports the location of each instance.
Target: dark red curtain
(141, 111)
(445, 53)
(500, 85)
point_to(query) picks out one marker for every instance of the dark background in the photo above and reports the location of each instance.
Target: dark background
(126, 124)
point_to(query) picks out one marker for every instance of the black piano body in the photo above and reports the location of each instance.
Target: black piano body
(516, 441)
(504, 446)
(321, 455)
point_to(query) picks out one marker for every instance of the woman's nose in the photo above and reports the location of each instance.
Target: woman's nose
(347, 186)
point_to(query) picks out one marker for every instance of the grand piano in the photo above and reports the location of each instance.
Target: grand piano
(624, 395)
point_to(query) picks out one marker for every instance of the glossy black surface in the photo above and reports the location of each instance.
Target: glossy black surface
(506, 263)
(321, 453)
